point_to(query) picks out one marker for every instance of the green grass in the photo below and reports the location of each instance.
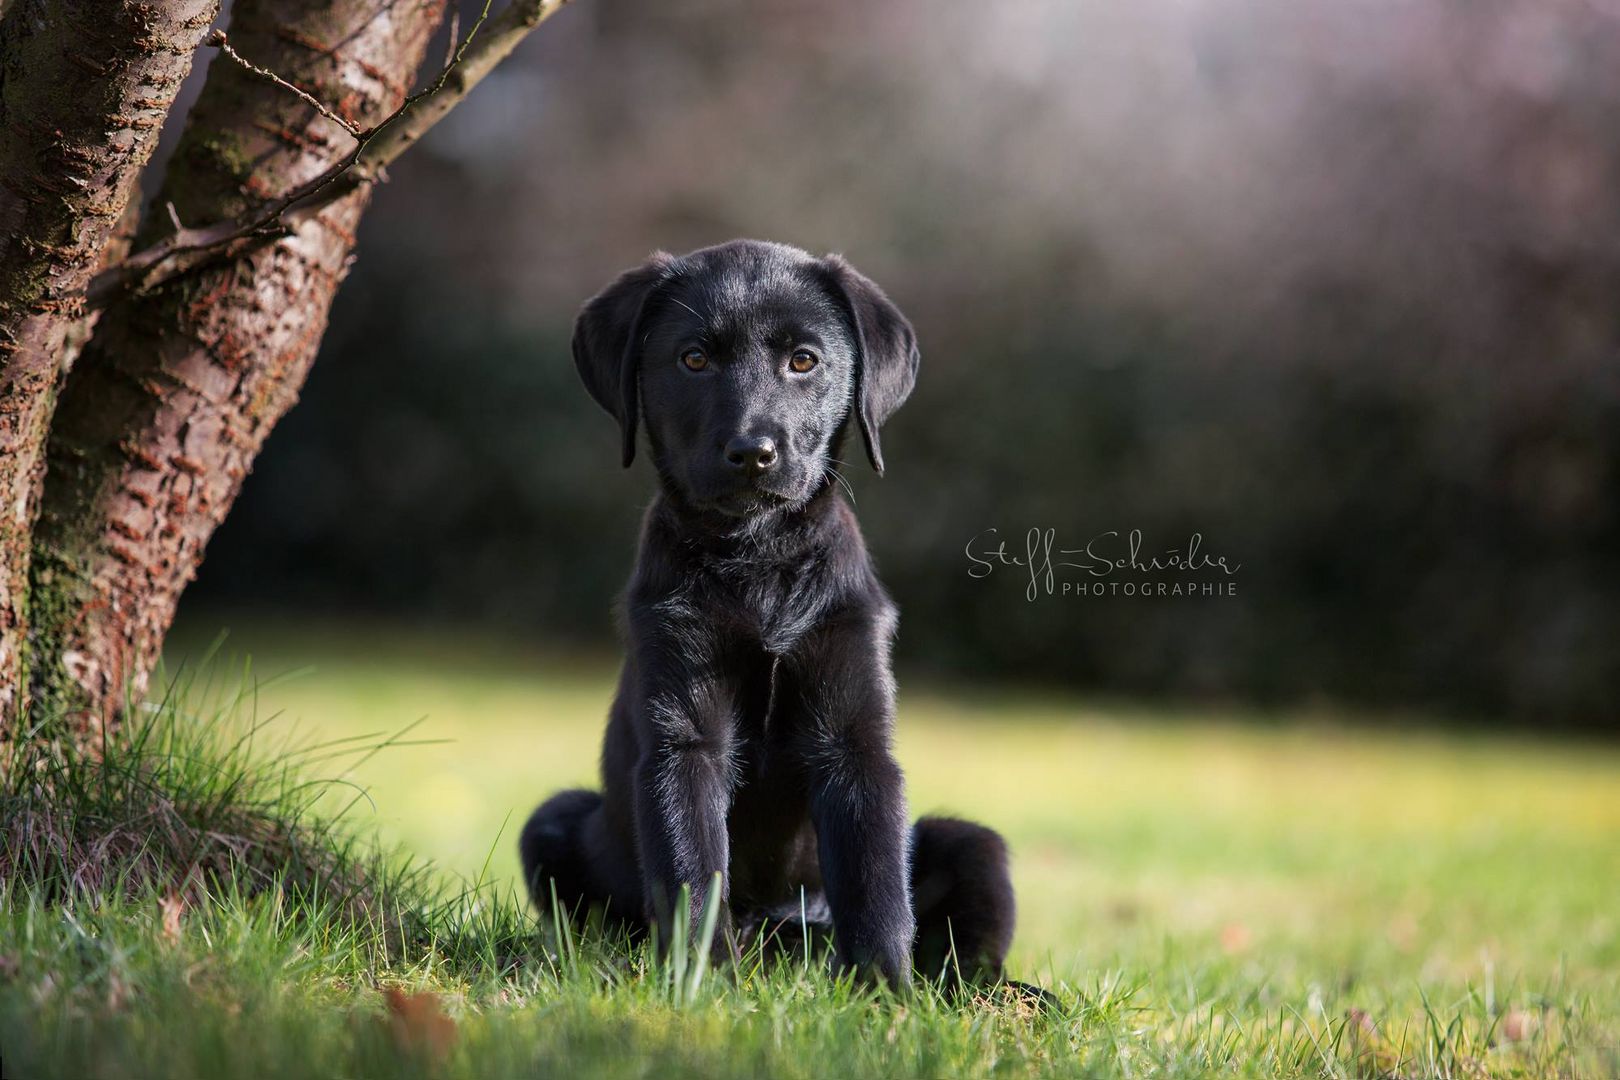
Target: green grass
(1290, 895)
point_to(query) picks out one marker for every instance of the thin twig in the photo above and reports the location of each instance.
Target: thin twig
(218, 40)
(375, 148)
(457, 51)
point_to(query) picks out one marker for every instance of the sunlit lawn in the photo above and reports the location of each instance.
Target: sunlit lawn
(1303, 852)
(1300, 894)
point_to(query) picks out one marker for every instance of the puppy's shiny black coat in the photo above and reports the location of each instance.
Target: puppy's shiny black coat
(751, 734)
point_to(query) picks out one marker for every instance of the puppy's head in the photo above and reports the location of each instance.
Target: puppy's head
(745, 361)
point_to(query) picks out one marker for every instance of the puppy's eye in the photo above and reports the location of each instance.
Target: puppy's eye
(694, 360)
(803, 360)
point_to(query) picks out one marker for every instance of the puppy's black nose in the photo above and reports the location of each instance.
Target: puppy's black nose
(751, 455)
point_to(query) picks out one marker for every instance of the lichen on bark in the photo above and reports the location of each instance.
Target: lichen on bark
(84, 90)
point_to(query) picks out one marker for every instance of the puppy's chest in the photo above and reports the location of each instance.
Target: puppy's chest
(773, 607)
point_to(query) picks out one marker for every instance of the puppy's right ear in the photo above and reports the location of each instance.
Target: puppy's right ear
(607, 343)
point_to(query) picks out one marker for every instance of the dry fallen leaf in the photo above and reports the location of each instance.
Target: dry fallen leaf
(1235, 937)
(172, 907)
(1124, 909)
(1373, 1054)
(117, 993)
(1518, 1025)
(419, 1023)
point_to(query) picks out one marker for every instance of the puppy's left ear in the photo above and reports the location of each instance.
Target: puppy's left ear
(886, 352)
(607, 343)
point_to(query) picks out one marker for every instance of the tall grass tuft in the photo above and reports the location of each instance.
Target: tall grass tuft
(198, 801)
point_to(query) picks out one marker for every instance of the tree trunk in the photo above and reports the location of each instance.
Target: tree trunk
(84, 90)
(163, 414)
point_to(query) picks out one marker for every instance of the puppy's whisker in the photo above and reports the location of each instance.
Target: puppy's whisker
(685, 305)
(844, 483)
(847, 490)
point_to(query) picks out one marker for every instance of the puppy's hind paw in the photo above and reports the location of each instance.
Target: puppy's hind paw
(1026, 999)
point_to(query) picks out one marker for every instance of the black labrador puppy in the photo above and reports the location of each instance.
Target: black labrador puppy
(751, 734)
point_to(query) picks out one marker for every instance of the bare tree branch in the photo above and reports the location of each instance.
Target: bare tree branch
(375, 148)
(219, 41)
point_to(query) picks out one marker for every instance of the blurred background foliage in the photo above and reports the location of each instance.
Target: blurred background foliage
(1334, 285)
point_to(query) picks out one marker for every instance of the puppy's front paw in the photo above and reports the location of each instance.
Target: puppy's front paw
(883, 966)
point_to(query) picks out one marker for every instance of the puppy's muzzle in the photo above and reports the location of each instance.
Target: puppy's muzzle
(751, 455)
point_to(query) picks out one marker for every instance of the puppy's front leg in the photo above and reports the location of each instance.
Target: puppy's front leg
(857, 791)
(683, 789)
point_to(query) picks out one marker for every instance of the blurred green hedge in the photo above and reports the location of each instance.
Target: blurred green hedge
(1346, 314)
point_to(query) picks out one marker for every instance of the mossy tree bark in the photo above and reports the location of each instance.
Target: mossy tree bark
(84, 90)
(163, 413)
